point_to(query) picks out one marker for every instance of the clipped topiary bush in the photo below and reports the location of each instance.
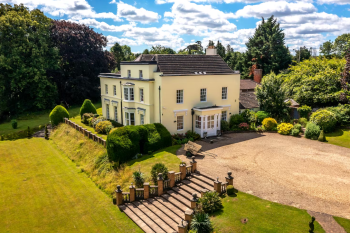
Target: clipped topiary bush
(342, 113)
(261, 115)
(297, 126)
(87, 107)
(249, 116)
(303, 122)
(269, 123)
(159, 168)
(157, 137)
(325, 119)
(14, 124)
(304, 111)
(284, 128)
(230, 190)
(236, 119)
(102, 126)
(58, 114)
(312, 131)
(295, 132)
(115, 124)
(138, 179)
(225, 126)
(210, 202)
(322, 137)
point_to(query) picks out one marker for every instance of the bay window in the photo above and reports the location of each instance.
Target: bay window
(129, 93)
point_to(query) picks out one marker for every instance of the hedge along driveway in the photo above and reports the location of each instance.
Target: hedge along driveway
(43, 191)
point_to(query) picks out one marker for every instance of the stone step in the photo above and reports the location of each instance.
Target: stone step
(177, 219)
(179, 197)
(175, 202)
(136, 219)
(188, 189)
(195, 186)
(203, 185)
(203, 178)
(144, 217)
(155, 218)
(161, 214)
(183, 193)
(170, 206)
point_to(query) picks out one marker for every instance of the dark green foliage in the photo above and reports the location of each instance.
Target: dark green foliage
(261, 115)
(303, 122)
(302, 54)
(26, 53)
(210, 202)
(192, 135)
(138, 179)
(159, 168)
(295, 132)
(304, 111)
(118, 54)
(201, 223)
(46, 133)
(297, 126)
(230, 190)
(342, 114)
(158, 49)
(21, 134)
(220, 49)
(58, 114)
(235, 120)
(322, 137)
(87, 107)
(325, 119)
(1, 138)
(29, 134)
(124, 143)
(266, 48)
(14, 124)
(115, 124)
(312, 131)
(271, 96)
(249, 116)
(85, 117)
(225, 126)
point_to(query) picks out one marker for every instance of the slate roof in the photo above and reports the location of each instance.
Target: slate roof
(247, 100)
(174, 64)
(248, 84)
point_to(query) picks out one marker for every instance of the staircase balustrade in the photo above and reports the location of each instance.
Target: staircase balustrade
(153, 191)
(166, 184)
(126, 197)
(188, 170)
(177, 177)
(139, 195)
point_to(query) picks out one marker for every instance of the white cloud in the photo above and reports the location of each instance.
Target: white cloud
(104, 26)
(280, 8)
(74, 9)
(122, 41)
(339, 2)
(132, 13)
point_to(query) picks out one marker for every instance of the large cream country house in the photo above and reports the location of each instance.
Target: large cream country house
(183, 92)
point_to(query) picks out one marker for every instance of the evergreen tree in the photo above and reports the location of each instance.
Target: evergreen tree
(118, 54)
(146, 51)
(266, 49)
(302, 54)
(345, 80)
(220, 49)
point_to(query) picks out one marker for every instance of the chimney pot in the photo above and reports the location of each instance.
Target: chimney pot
(258, 75)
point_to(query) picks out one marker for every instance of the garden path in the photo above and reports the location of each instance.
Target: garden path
(298, 172)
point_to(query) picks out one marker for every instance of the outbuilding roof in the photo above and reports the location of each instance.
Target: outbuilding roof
(247, 100)
(248, 84)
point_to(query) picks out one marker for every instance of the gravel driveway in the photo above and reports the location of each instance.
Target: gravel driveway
(294, 171)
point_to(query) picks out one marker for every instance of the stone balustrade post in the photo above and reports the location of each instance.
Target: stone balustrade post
(183, 171)
(183, 227)
(203, 191)
(146, 190)
(194, 201)
(119, 198)
(217, 186)
(189, 215)
(132, 193)
(194, 165)
(171, 176)
(229, 178)
(160, 184)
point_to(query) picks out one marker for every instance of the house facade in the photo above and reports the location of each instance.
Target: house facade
(183, 92)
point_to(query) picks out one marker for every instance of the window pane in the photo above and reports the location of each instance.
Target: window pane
(131, 93)
(203, 96)
(180, 124)
(179, 96)
(141, 95)
(114, 90)
(115, 113)
(106, 88)
(107, 111)
(141, 119)
(126, 93)
(224, 93)
(132, 118)
(140, 73)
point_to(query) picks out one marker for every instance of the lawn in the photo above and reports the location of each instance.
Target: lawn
(43, 191)
(345, 223)
(77, 120)
(341, 137)
(262, 215)
(92, 158)
(35, 119)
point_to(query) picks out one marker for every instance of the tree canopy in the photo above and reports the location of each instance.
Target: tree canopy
(26, 52)
(302, 54)
(158, 49)
(82, 60)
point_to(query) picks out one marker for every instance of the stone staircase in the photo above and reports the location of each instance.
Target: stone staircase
(166, 212)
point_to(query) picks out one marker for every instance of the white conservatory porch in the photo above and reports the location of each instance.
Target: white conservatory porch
(207, 120)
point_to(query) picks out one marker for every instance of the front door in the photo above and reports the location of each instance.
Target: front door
(211, 125)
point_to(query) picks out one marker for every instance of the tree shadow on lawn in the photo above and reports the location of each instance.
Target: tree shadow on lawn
(337, 133)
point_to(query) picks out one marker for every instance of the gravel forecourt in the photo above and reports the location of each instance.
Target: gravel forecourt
(294, 171)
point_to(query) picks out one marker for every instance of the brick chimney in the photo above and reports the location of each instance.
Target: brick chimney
(211, 50)
(258, 75)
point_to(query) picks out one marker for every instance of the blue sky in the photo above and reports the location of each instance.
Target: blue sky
(177, 23)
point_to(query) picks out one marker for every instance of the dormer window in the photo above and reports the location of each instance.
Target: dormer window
(140, 74)
(129, 73)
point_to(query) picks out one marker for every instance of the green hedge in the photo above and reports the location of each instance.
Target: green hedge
(87, 107)
(58, 114)
(125, 142)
